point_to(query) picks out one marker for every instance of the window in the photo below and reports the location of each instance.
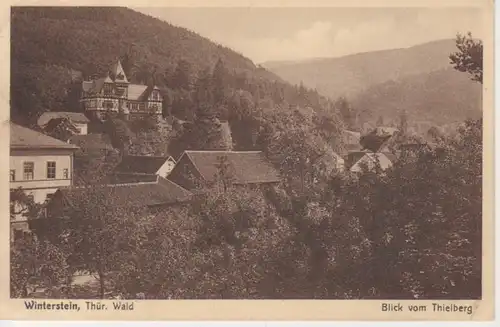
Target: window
(20, 234)
(108, 89)
(65, 173)
(12, 175)
(51, 169)
(108, 104)
(155, 96)
(29, 169)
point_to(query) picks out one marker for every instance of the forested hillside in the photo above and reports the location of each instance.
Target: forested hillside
(439, 97)
(419, 80)
(54, 48)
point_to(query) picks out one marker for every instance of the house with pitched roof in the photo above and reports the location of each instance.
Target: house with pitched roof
(155, 193)
(39, 165)
(201, 168)
(357, 161)
(114, 94)
(145, 165)
(78, 119)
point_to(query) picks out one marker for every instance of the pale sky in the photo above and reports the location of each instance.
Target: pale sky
(268, 34)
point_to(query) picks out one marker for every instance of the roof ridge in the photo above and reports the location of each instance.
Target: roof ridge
(146, 156)
(224, 151)
(113, 185)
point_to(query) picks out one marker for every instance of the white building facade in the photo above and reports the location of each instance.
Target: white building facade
(39, 165)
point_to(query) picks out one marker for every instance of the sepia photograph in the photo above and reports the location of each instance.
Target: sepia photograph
(247, 153)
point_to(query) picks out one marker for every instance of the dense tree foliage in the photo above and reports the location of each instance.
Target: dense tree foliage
(36, 263)
(469, 57)
(99, 233)
(412, 232)
(22, 205)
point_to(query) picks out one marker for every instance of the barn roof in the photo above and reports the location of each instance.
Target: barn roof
(245, 167)
(159, 192)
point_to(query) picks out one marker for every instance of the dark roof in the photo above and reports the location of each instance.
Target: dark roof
(246, 167)
(76, 117)
(25, 138)
(353, 157)
(374, 142)
(141, 164)
(115, 178)
(161, 192)
(92, 141)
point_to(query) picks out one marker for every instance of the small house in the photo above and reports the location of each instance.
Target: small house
(199, 168)
(357, 161)
(78, 120)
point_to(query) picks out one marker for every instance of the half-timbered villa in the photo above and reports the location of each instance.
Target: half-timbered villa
(114, 94)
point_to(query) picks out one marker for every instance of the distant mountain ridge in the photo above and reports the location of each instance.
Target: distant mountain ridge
(419, 80)
(348, 75)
